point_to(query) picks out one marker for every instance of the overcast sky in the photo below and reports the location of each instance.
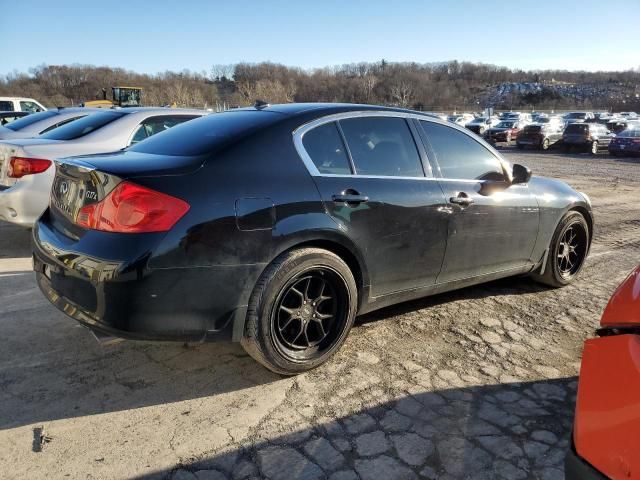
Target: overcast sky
(157, 35)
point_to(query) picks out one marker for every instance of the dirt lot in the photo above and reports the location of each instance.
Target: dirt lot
(478, 383)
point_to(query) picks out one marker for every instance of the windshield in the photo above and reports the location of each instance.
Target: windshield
(205, 134)
(83, 126)
(30, 120)
(479, 120)
(506, 125)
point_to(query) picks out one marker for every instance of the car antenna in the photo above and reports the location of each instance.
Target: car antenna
(260, 104)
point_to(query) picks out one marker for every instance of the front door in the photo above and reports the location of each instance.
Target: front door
(493, 225)
(376, 189)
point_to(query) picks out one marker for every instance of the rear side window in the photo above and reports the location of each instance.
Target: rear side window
(83, 126)
(158, 124)
(461, 157)
(6, 106)
(324, 145)
(207, 134)
(382, 146)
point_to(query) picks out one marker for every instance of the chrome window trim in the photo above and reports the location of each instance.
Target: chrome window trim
(299, 132)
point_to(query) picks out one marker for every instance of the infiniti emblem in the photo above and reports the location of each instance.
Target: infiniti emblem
(63, 188)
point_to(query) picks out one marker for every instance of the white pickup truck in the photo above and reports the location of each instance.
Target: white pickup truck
(20, 104)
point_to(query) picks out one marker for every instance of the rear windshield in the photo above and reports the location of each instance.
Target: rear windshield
(506, 125)
(533, 129)
(31, 119)
(577, 128)
(629, 134)
(205, 134)
(83, 126)
(577, 115)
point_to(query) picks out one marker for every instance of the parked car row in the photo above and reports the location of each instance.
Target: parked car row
(574, 131)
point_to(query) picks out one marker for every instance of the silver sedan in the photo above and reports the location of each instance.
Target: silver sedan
(43, 122)
(26, 165)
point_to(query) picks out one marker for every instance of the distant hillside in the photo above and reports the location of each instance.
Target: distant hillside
(432, 86)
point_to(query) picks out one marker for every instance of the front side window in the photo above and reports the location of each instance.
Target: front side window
(461, 157)
(324, 145)
(382, 146)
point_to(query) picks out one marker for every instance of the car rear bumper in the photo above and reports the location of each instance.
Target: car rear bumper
(627, 148)
(127, 299)
(23, 202)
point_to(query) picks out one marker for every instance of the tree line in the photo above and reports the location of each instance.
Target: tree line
(431, 86)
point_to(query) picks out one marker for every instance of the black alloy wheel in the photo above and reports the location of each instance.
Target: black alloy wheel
(309, 313)
(301, 311)
(567, 252)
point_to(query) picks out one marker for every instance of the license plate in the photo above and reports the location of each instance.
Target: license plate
(622, 147)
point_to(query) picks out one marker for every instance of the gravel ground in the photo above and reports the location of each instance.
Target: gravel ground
(478, 383)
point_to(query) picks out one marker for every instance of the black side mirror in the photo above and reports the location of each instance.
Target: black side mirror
(521, 174)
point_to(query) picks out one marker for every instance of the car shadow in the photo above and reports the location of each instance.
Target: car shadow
(47, 352)
(512, 431)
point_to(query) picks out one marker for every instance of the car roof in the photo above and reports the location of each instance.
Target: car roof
(299, 108)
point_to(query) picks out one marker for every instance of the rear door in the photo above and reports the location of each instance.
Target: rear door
(371, 175)
(493, 225)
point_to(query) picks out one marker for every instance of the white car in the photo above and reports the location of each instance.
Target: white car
(460, 118)
(20, 104)
(42, 122)
(26, 165)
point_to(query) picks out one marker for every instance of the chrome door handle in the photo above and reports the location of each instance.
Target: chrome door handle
(349, 198)
(462, 199)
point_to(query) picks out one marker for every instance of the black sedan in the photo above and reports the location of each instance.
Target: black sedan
(276, 225)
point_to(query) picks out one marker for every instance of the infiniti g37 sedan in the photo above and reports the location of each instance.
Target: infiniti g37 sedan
(276, 225)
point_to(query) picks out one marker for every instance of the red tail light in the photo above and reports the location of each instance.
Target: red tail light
(21, 166)
(131, 208)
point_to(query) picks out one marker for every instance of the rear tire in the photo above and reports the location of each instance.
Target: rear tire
(301, 311)
(566, 149)
(567, 251)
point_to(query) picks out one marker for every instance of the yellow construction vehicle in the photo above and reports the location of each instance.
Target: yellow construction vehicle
(121, 97)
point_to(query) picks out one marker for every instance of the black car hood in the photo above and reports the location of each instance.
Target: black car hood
(127, 164)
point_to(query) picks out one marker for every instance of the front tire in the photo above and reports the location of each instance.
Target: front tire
(300, 311)
(545, 144)
(567, 251)
(594, 148)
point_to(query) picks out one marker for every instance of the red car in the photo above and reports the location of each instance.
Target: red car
(606, 435)
(505, 131)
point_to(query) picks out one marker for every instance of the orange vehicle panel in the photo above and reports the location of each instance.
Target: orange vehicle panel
(624, 305)
(607, 422)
